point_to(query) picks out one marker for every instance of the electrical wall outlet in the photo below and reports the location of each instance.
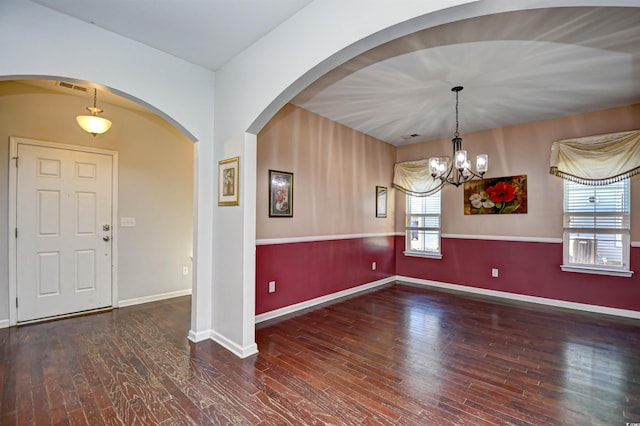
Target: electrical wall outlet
(185, 270)
(494, 272)
(373, 266)
(272, 286)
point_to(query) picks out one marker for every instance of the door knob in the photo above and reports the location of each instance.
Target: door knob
(106, 227)
(106, 238)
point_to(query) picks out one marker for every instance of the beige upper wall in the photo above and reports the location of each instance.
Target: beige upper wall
(155, 184)
(522, 150)
(336, 170)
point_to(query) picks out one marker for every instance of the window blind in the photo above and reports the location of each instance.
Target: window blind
(423, 223)
(597, 223)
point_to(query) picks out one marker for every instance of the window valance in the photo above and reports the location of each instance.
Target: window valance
(597, 160)
(413, 178)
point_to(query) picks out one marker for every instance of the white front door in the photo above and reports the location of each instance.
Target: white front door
(63, 244)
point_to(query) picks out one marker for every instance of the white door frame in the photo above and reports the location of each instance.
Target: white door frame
(13, 193)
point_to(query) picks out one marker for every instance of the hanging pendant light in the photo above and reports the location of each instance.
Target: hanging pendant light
(457, 169)
(92, 123)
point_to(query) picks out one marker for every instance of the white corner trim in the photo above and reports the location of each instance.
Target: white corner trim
(242, 352)
(322, 299)
(237, 350)
(154, 298)
(4, 323)
(199, 336)
(504, 238)
(313, 238)
(523, 298)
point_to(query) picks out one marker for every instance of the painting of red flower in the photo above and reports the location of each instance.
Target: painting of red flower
(501, 192)
(504, 195)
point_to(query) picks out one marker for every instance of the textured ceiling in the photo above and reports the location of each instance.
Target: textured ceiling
(515, 67)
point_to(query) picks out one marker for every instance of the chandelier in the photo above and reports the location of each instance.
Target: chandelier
(92, 123)
(457, 169)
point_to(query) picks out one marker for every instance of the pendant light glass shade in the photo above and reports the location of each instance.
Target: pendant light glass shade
(92, 123)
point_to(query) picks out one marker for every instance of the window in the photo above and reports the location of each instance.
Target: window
(597, 228)
(423, 226)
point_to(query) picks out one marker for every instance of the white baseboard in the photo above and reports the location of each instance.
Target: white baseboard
(4, 323)
(237, 350)
(153, 298)
(523, 298)
(199, 336)
(319, 300)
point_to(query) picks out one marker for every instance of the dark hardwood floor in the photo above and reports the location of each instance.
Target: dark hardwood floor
(400, 355)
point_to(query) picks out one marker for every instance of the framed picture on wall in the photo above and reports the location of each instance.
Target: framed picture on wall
(229, 182)
(501, 195)
(280, 194)
(381, 201)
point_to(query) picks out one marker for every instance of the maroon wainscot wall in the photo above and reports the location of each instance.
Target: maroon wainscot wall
(526, 268)
(307, 270)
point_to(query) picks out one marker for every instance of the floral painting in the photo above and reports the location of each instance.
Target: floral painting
(504, 195)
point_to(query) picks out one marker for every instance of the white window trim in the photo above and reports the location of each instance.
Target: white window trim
(623, 271)
(422, 254)
(427, 254)
(597, 271)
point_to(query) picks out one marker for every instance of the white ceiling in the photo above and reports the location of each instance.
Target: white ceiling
(204, 32)
(516, 67)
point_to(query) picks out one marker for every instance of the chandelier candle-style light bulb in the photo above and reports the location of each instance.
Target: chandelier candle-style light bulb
(434, 166)
(482, 163)
(461, 159)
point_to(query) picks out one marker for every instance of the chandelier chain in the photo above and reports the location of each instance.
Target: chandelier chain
(456, 134)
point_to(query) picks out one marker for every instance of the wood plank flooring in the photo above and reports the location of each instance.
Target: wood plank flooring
(399, 355)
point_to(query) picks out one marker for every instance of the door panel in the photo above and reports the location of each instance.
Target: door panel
(63, 253)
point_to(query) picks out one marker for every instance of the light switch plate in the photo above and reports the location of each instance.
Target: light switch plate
(127, 222)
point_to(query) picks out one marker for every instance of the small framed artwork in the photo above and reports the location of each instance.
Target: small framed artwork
(229, 182)
(381, 201)
(280, 194)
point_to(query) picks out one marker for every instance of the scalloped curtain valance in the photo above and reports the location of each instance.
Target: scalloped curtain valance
(597, 160)
(413, 178)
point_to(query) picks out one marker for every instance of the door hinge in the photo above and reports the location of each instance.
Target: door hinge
(16, 302)
(16, 232)
(15, 158)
